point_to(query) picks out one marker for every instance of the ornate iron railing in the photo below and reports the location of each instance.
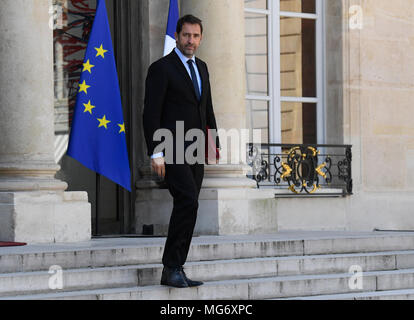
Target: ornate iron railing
(302, 169)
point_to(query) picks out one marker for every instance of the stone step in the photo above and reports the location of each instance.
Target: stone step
(121, 252)
(216, 270)
(246, 289)
(404, 294)
(150, 274)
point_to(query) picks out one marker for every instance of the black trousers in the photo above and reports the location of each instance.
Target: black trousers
(184, 183)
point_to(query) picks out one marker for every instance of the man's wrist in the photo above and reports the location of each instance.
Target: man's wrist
(157, 155)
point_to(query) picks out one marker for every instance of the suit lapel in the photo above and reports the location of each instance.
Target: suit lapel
(203, 76)
(183, 71)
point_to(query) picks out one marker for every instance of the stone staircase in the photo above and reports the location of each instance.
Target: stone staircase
(287, 265)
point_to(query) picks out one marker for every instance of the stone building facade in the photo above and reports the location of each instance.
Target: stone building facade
(303, 71)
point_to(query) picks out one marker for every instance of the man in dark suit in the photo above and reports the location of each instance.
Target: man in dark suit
(178, 90)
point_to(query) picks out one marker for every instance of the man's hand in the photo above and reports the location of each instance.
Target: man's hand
(158, 165)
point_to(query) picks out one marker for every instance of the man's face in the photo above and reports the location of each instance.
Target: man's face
(189, 39)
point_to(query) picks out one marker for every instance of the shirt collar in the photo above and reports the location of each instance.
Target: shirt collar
(183, 58)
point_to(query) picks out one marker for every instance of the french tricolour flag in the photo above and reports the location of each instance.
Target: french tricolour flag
(173, 17)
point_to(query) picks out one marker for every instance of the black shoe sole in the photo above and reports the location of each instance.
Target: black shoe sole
(172, 285)
(196, 284)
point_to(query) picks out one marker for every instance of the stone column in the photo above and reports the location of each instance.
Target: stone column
(223, 49)
(30, 196)
(26, 100)
(229, 202)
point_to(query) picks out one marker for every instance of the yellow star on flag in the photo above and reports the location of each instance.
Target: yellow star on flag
(103, 122)
(101, 51)
(83, 87)
(88, 66)
(88, 107)
(122, 126)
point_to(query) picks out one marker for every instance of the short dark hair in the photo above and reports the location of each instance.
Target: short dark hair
(188, 19)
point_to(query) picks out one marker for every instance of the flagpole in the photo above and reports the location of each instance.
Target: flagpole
(98, 183)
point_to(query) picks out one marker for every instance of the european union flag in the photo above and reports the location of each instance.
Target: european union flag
(97, 137)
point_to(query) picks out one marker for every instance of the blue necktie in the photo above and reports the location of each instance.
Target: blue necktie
(194, 78)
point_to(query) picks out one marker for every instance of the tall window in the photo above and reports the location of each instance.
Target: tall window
(284, 70)
(72, 23)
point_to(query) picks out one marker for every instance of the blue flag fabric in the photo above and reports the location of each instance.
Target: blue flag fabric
(173, 16)
(98, 137)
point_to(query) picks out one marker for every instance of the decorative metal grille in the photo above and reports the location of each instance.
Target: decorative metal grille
(302, 169)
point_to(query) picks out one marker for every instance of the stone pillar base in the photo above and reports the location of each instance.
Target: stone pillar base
(45, 217)
(229, 211)
(229, 204)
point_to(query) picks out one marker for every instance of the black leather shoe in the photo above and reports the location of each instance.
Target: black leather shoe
(173, 277)
(191, 283)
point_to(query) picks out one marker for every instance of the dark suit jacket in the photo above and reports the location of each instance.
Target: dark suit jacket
(170, 97)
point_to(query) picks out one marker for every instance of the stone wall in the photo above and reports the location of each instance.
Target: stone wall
(378, 85)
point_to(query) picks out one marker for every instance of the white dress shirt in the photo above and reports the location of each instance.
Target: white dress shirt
(184, 60)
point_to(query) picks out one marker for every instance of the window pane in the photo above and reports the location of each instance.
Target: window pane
(301, 6)
(298, 123)
(298, 57)
(258, 118)
(255, 4)
(256, 54)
